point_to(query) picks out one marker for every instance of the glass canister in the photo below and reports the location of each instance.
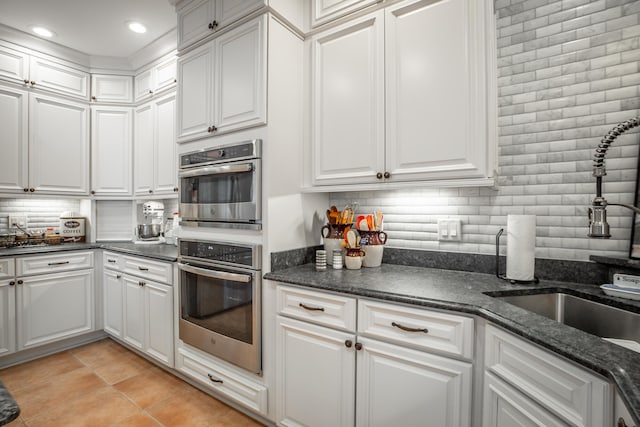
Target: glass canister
(333, 236)
(373, 245)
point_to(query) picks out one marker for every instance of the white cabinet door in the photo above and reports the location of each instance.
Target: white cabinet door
(7, 316)
(240, 91)
(134, 317)
(113, 288)
(14, 65)
(405, 387)
(59, 78)
(111, 88)
(348, 102)
(166, 158)
(159, 321)
(52, 307)
(111, 146)
(228, 11)
(165, 74)
(195, 21)
(195, 93)
(58, 145)
(143, 85)
(504, 406)
(316, 375)
(143, 149)
(14, 134)
(435, 90)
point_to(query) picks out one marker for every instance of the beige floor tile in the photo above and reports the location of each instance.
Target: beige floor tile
(150, 386)
(100, 353)
(18, 422)
(122, 368)
(193, 409)
(38, 371)
(102, 407)
(61, 388)
(139, 420)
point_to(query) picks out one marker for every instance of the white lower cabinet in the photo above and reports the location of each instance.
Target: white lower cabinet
(51, 307)
(7, 316)
(329, 377)
(527, 385)
(137, 310)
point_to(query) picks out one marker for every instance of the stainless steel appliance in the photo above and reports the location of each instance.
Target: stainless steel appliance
(151, 230)
(222, 186)
(220, 288)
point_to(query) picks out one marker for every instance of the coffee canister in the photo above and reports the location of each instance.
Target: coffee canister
(72, 227)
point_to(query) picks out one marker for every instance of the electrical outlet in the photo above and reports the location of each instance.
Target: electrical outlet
(19, 220)
(450, 229)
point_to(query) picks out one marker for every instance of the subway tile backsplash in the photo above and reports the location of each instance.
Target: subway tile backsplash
(40, 213)
(568, 71)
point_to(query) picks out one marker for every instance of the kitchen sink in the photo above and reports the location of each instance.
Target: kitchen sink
(615, 324)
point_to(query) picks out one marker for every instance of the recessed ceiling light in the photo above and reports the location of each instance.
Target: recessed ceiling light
(136, 27)
(41, 31)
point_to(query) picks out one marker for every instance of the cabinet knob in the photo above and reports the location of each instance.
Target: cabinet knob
(348, 343)
(11, 283)
(358, 346)
(94, 98)
(32, 190)
(141, 283)
(150, 191)
(93, 192)
(32, 83)
(26, 81)
(175, 189)
(26, 190)
(213, 25)
(379, 175)
(214, 129)
(387, 174)
(118, 276)
(150, 92)
(20, 282)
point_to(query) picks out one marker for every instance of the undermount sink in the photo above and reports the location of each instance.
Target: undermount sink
(611, 323)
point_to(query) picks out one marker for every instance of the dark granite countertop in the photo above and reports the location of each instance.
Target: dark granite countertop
(162, 252)
(9, 409)
(466, 292)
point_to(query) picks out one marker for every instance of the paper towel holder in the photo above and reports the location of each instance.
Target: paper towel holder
(504, 277)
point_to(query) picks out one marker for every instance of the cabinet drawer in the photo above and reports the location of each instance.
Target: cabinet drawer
(325, 309)
(570, 392)
(53, 263)
(223, 380)
(426, 329)
(7, 268)
(148, 269)
(111, 260)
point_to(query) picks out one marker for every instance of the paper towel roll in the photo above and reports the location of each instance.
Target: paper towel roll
(521, 247)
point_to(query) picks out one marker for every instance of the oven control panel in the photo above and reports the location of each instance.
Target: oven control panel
(221, 252)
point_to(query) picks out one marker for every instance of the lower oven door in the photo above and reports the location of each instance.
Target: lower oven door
(220, 313)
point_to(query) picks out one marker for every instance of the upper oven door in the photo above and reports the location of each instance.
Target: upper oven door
(228, 192)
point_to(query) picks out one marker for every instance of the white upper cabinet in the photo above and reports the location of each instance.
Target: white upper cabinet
(222, 85)
(199, 18)
(14, 122)
(58, 146)
(156, 79)
(111, 151)
(41, 73)
(323, 11)
(348, 125)
(417, 107)
(111, 88)
(155, 153)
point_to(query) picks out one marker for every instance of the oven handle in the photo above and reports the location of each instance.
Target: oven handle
(214, 274)
(216, 170)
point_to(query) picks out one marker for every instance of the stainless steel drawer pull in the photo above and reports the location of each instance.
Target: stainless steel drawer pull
(214, 379)
(308, 307)
(143, 268)
(408, 329)
(59, 263)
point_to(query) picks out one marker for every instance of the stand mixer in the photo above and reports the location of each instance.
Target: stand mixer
(151, 230)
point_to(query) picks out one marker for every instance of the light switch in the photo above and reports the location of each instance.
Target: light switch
(449, 229)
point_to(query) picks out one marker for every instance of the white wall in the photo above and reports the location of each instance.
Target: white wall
(568, 71)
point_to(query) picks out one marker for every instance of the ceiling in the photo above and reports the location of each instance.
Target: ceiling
(93, 27)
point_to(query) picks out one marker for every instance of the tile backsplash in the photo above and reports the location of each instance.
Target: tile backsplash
(40, 213)
(568, 71)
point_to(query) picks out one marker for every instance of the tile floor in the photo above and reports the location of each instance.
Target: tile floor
(105, 384)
